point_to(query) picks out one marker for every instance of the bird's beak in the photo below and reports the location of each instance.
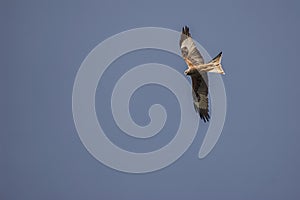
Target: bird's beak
(186, 72)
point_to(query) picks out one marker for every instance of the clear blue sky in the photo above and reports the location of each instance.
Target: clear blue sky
(42, 46)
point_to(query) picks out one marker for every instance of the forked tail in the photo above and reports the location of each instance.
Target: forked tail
(216, 63)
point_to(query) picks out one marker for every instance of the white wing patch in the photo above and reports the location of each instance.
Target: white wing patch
(188, 43)
(203, 103)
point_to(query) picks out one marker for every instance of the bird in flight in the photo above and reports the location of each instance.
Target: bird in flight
(197, 70)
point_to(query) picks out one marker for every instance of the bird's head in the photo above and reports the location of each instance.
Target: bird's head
(189, 72)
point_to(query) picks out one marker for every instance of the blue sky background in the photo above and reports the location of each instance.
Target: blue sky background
(42, 46)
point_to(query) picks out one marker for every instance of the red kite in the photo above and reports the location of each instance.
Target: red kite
(197, 69)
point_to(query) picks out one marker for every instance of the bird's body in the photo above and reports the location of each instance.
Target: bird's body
(197, 69)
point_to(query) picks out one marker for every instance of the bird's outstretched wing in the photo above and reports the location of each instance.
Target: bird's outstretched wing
(200, 94)
(188, 48)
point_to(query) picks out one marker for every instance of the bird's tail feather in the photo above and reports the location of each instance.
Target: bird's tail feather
(216, 62)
